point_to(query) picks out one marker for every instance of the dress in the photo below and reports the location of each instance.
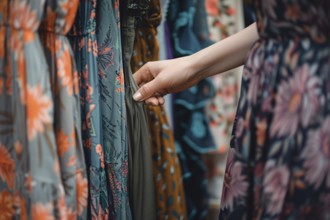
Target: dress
(141, 188)
(188, 26)
(169, 192)
(57, 21)
(278, 164)
(42, 174)
(95, 38)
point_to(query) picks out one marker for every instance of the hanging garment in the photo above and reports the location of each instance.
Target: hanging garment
(278, 164)
(58, 18)
(95, 37)
(141, 187)
(170, 200)
(161, 35)
(41, 169)
(187, 23)
(224, 18)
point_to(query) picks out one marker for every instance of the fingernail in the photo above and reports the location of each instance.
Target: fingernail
(137, 96)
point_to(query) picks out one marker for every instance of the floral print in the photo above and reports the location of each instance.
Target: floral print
(38, 111)
(95, 38)
(317, 155)
(7, 167)
(235, 184)
(297, 102)
(58, 19)
(282, 125)
(224, 18)
(7, 205)
(39, 136)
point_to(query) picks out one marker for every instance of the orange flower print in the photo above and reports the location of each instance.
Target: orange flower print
(120, 81)
(7, 167)
(28, 182)
(63, 211)
(18, 147)
(42, 211)
(92, 47)
(22, 16)
(28, 36)
(1, 83)
(39, 108)
(65, 70)
(6, 205)
(70, 215)
(21, 203)
(70, 6)
(72, 161)
(75, 82)
(82, 193)
(99, 151)
(21, 75)
(63, 142)
(2, 41)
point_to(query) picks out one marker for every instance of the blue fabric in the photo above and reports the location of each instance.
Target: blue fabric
(188, 26)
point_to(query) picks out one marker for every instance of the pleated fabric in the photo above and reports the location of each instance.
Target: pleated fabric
(141, 186)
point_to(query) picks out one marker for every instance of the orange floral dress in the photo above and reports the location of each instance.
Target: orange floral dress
(58, 20)
(41, 171)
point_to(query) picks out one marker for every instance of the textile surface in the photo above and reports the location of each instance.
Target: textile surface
(170, 200)
(58, 19)
(96, 42)
(42, 171)
(141, 187)
(187, 22)
(278, 163)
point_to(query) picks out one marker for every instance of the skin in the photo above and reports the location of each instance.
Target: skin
(156, 79)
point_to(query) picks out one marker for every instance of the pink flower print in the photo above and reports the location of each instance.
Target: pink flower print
(297, 102)
(212, 7)
(124, 168)
(230, 11)
(240, 124)
(316, 155)
(276, 185)
(234, 185)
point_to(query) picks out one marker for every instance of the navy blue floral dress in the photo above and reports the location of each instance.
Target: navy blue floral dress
(278, 166)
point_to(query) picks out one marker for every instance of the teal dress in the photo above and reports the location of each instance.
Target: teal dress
(95, 39)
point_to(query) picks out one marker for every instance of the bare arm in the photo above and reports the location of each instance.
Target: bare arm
(159, 78)
(224, 55)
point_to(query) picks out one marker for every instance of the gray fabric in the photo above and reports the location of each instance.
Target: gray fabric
(140, 179)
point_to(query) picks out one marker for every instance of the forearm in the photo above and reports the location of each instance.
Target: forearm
(224, 55)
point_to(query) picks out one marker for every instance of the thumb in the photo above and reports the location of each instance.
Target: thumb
(146, 91)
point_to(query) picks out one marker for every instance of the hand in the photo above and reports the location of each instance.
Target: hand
(156, 79)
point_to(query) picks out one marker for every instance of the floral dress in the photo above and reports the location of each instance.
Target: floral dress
(279, 161)
(59, 16)
(41, 166)
(95, 38)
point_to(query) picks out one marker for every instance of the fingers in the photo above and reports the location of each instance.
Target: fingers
(146, 91)
(155, 101)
